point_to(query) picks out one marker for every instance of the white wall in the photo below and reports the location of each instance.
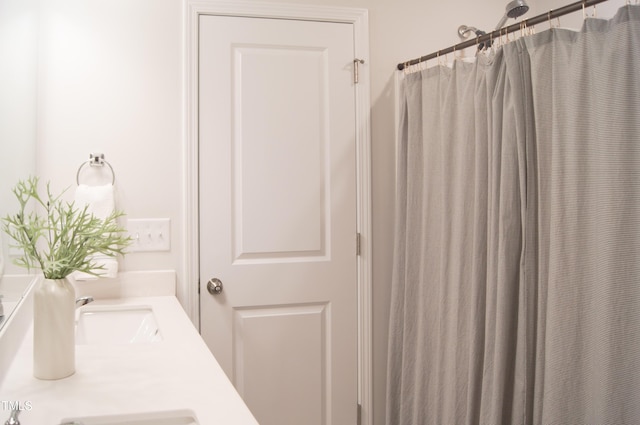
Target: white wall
(111, 82)
(18, 67)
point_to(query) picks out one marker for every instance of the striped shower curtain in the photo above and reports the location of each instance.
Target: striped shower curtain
(516, 285)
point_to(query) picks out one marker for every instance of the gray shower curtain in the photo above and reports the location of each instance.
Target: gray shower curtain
(516, 286)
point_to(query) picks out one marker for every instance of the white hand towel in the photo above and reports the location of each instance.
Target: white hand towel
(100, 202)
(99, 199)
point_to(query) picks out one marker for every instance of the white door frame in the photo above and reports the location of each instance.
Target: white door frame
(190, 270)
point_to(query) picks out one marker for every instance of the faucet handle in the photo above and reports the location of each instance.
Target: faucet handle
(13, 419)
(84, 301)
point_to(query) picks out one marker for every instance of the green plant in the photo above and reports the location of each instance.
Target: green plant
(64, 238)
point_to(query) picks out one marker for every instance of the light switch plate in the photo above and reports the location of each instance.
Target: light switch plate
(149, 234)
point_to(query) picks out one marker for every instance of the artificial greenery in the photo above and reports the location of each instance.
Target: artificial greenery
(64, 238)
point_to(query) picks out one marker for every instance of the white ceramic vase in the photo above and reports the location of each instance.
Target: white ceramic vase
(53, 329)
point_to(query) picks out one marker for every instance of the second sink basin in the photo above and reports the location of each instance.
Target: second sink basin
(181, 417)
(117, 325)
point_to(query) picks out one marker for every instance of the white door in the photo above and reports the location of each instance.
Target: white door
(278, 214)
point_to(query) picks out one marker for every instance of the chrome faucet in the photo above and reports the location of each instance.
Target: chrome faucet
(84, 301)
(13, 419)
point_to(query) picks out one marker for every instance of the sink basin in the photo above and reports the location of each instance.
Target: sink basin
(180, 417)
(116, 325)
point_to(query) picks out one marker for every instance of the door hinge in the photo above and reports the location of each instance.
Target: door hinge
(356, 70)
(358, 244)
(359, 414)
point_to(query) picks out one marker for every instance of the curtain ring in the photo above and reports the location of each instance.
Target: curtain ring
(584, 10)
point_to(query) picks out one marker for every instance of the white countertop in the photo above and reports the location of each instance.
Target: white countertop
(177, 373)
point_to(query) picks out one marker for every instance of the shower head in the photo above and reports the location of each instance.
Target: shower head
(514, 9)
(517, 8)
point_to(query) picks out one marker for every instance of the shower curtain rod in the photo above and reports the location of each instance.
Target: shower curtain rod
(570, 8)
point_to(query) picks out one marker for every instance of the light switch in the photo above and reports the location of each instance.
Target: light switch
(149, 234)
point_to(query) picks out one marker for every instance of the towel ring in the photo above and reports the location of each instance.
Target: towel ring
(96, 160)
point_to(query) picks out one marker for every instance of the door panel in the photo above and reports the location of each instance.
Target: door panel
(302, 361)
(300, 151)
(278, 214)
